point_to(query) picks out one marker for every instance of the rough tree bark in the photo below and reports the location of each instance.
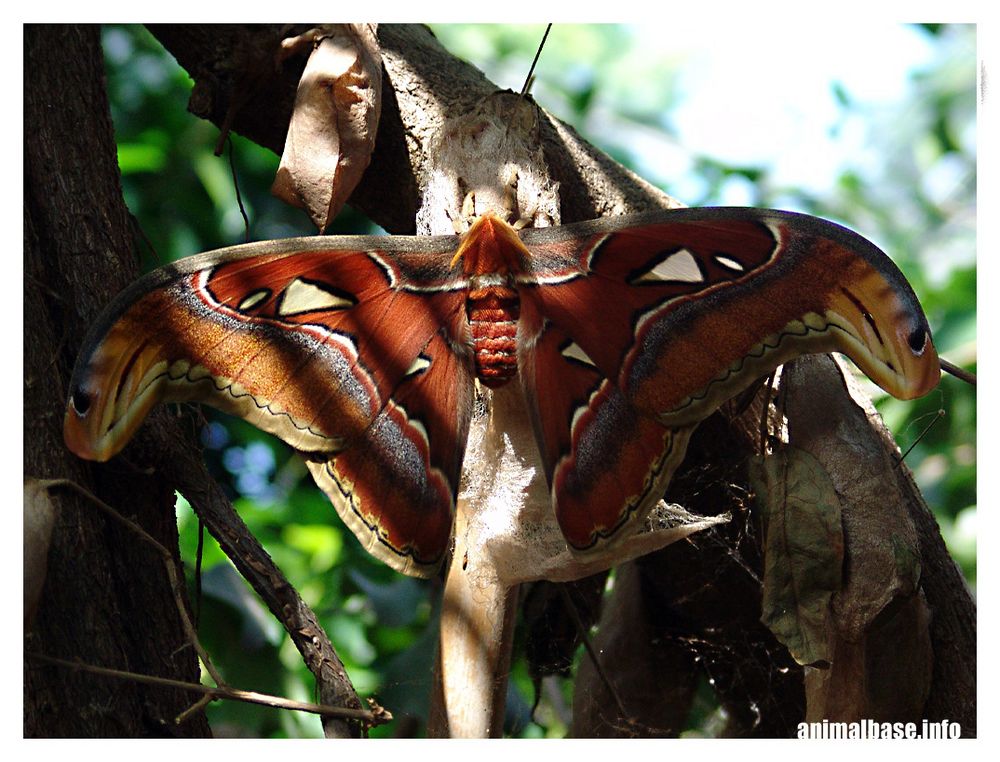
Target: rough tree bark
(106, 599)
(699, 602)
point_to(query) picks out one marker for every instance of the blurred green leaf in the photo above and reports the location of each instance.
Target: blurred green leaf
(395, 604)
(258, 627)
(133, 158)
(321, 543)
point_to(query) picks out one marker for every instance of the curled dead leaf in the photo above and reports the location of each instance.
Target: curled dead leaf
(331, 135)
(39, 518)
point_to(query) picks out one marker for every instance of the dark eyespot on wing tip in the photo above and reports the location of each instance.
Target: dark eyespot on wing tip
(80, 401)
(918, 339)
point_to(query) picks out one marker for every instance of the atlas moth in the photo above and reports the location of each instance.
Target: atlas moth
(363, 352)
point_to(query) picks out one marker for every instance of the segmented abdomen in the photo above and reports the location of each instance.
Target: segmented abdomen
(493, 309)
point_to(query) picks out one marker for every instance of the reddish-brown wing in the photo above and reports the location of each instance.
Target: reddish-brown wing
(353, 349)
(633, 330)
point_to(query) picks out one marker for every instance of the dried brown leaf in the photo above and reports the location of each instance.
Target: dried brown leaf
(803, 551)
(331, 135)
(39, 518)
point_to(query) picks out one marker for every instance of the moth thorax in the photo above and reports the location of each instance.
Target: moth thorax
(493, 308)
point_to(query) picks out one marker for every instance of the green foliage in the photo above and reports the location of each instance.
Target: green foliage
(912, 191)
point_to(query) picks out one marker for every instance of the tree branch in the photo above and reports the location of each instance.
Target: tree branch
(99, 582)
(223, 692)
(185, 469)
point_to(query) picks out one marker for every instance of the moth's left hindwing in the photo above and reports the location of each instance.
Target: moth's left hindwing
(359, 352)
(395, 488)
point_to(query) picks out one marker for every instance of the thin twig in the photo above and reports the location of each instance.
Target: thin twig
(186, 471)
(960, 373)
(198, 555)
(582, 629)
(176, 578)
(937, 417)
(137, 230)
(198, 706)
(377, 717)
(236, 187)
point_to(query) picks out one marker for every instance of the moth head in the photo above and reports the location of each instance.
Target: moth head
(110, 395)
(81, 435)
(886, 334)
(491, 245)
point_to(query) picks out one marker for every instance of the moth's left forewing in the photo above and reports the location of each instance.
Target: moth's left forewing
(304, 338)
